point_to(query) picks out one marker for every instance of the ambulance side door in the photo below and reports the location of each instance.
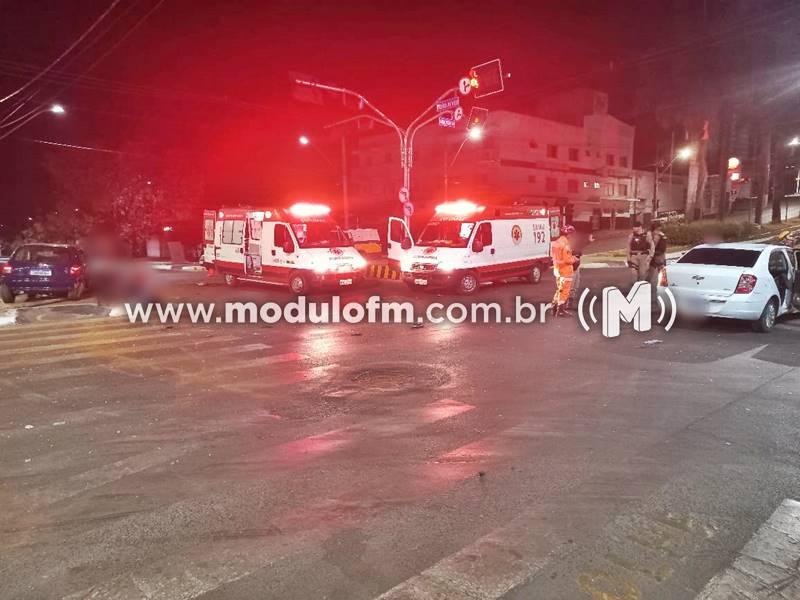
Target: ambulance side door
(252, 252)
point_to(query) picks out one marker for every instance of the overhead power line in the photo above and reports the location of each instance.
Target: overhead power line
(64, 54)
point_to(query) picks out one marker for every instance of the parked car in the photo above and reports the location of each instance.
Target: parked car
(44, 269)
(751, 282)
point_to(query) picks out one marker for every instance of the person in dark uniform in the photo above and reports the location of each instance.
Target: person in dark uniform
(582, 240)
(659, 260)
(640, 251)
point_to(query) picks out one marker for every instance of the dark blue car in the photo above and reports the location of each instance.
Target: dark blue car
(44, 269)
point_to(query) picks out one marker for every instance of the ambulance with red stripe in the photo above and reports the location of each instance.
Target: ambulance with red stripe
(300, 246)
(466, 244)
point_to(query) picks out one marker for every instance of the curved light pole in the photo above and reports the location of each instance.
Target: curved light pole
(474, 134)
(55, 109)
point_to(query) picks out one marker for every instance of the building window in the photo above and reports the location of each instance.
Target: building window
(609, 189)
(533, 145)
(586, 184)
(572, 186)
(574, 155)
(623, 189)
(610, 160)
(596, 185)
(551, 184)
(531, 178)
(552, 151)
(623, 162)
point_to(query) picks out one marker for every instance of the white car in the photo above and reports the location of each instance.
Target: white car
(751, 282)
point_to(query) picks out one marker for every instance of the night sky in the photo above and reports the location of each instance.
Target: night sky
(212, 79)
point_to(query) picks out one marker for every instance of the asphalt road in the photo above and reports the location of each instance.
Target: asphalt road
(362, 461)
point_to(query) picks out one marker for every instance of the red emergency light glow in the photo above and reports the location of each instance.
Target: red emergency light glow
(307, 209)
(458, 208)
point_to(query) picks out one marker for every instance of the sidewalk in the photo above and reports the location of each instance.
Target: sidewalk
(610, 251)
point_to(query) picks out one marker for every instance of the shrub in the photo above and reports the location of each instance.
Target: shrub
(689, 234)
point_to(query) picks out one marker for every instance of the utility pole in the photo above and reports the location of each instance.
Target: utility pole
(485, 79)
(345, 198)
(724, 154)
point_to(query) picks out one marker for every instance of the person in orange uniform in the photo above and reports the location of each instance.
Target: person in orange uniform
(564, 265)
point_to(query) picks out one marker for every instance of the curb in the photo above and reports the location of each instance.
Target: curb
(177, 267)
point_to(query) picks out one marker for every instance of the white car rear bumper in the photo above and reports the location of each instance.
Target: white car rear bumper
(747, 307)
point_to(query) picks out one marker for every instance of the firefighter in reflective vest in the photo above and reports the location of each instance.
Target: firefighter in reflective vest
(564, 265)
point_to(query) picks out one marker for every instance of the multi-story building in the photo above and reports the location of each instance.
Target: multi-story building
(576, 156)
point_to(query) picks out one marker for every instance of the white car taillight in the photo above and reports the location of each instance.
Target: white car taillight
(747, 284)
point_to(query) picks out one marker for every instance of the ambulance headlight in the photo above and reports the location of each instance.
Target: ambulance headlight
(359, 262)
(446, 267)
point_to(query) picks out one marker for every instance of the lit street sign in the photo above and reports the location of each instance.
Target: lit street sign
(446, 121)
(464, 86)
(448, 104)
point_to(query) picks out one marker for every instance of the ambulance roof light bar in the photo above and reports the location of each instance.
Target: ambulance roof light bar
(309, 209)
(458, 208)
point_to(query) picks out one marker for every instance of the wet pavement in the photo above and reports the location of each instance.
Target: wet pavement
(364, 461)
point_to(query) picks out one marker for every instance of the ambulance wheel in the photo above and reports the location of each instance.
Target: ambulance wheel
(231, 280)
(298, 283)
(6, 294)
(467, 283)
(535, 274)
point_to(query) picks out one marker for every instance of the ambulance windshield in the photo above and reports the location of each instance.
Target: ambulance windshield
(320, 234)
(450, 234)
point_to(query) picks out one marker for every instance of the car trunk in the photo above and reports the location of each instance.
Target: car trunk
(713, 280)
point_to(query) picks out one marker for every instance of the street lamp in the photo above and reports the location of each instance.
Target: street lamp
(474, 134)
(57, 109)
(685, 153)
(304, 141)
(795, 141)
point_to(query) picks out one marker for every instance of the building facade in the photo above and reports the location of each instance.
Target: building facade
(582, 163)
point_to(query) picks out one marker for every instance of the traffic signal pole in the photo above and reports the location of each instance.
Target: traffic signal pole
(405, 136)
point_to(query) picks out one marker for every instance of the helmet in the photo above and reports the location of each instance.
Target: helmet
(567, 229)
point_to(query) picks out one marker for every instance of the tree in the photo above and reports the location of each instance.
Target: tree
(130, 194)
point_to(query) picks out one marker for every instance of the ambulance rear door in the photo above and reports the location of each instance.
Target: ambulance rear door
(230, 252)
(209, 226)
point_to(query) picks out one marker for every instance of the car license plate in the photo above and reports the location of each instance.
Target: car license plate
(345, 282)
(421, 281)
(41, 272)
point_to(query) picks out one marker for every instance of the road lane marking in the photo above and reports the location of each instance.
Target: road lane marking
(106, 474)
(768, 565)
(105, 341)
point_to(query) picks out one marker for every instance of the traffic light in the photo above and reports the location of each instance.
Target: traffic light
(477, 117)
(487, 78)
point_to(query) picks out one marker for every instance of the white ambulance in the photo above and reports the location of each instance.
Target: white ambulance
(300, 246)
(466, 244)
